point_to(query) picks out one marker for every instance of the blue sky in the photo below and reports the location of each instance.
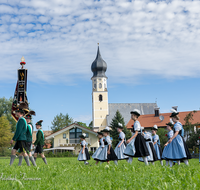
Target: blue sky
(152, 50)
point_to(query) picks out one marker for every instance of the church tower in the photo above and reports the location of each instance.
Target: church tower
(99, 93)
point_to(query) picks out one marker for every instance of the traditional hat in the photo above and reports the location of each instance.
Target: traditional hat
(155, 127)
(169, 124)
(83, 136)
(174, 113)
(29, 115)
(39, 123)
(22, 108)
(100, 133)
(120, 126)
(136, 112)
(106, 130)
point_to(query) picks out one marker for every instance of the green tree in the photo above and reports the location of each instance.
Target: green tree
(5, 133)
(83, 124)
(194, 137)
(60, 121)
(162, 136)
(188, 126)
(5, 108)
(114, 124)
(91, 125)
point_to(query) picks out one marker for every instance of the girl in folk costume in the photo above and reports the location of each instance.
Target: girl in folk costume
(148, 138)
(39, 143)
(84, 154)
(156, 142)
(136, 145)
(101, 146)
(107, 154)
(177, 149)
(121, 146)
(169, 136)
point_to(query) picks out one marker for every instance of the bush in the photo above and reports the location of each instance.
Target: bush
(91, 153)
(196, 150)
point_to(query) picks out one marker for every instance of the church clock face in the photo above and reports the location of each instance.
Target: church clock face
(100, 85)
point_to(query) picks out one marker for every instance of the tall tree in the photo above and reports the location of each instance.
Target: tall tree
(188, 126)
(114, 124)
(91, 125)
(60, 121)
(5, 108)
(5, 133)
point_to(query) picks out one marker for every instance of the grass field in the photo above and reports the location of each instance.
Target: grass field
(68, 173)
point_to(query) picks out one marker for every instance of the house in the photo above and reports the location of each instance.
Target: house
(149, 120)
(67, 139)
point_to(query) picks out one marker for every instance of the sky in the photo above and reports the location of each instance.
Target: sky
(152, 50)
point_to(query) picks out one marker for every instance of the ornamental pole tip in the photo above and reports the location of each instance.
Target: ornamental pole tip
(98, 44)
(22, 59)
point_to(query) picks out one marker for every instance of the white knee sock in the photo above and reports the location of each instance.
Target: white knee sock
(130, 160)
(100, 163)
(186, 162)
(167, 162)
(170, 163)
(178, 162)
(152, 163)
(145, 161)
(161, 162)
(116, 163)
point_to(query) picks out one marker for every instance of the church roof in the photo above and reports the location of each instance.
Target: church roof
(126, 108)
(99, 66)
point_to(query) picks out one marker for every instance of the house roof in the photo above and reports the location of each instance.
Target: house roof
(126, 108)
(68, 128)
(150, 120)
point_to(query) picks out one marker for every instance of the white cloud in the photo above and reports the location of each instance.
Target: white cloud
(138, 38)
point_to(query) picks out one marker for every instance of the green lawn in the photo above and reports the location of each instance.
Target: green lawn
(68, 173)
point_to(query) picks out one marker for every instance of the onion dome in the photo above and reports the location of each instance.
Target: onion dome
(99, 66)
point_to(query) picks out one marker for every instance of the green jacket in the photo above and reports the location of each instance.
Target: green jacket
(29, 132)
(39, 138)
(21, 128)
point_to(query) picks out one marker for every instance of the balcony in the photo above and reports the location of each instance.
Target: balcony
(67, 142)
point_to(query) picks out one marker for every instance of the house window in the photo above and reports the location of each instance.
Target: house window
(64, 135)
(93, 149)
(100, 98)
(74, 135)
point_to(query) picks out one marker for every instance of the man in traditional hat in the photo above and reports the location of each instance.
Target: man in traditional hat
(20, 134)
(29, 134)
(39, 143)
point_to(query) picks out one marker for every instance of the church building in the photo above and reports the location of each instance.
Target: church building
(102, 111)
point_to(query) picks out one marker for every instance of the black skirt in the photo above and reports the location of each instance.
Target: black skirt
(87, 154)
(155, 157)
(140, 147)
(112, 155)
(160, 150)
(186, 150)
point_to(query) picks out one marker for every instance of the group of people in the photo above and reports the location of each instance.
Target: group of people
(142, 144)
(23, 137)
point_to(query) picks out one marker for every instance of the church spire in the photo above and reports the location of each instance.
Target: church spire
(99, 66)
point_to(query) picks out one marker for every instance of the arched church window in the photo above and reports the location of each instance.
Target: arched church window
(100, 98)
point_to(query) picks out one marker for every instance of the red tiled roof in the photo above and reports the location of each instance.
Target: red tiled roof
(150, 120)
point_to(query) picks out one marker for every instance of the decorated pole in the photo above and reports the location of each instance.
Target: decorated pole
(20, 90)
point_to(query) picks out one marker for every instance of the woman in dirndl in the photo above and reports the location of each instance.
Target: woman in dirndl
(170, 134)
(96, 155)
(84, 154)
(107, 154)
(136, 145)
(121, 146)
(178, 150)
(156, 143)
(148, 138)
